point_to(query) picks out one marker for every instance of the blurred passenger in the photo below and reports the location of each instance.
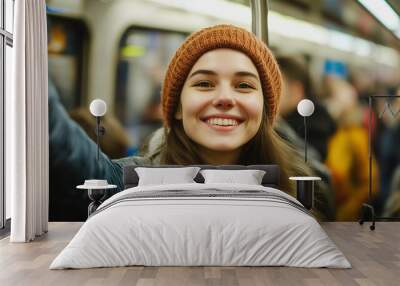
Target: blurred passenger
(392, 205)
(298, 86)
(348, 150)
(384, 129)
(389, 154)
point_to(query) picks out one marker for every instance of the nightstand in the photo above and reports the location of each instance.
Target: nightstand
(97, 191)
(305, 187)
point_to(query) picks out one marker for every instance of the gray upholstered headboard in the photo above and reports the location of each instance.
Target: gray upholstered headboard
(270, 179)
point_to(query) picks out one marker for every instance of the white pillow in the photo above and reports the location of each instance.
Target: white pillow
(249, 177)
(162, 176)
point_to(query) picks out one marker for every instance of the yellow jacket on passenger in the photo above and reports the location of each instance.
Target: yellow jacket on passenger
(348, 161)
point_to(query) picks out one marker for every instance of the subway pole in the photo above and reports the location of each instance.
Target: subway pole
(259, 19)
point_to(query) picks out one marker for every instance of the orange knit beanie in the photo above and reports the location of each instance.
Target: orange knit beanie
(216, 37)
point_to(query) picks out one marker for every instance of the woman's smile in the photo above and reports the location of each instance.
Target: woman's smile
(222, 122)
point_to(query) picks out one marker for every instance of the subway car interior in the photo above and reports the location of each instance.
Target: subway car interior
(333, 81)
(117, 51)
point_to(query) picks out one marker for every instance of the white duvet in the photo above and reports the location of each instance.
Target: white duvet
(183, 231)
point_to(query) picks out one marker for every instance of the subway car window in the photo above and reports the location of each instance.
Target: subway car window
(143, 57)
(66, 50)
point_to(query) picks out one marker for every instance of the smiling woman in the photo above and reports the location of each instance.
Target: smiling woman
(219, 98)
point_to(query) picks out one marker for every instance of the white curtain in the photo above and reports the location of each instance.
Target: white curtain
(27, 124)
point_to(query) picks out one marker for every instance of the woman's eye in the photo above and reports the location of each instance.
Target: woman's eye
(245, 85)
(203, 84)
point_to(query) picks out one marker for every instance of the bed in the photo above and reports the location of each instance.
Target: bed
(201, 224)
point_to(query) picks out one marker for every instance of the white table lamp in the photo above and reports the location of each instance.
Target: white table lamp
(305, 108)
(98, 108)
(305, 185)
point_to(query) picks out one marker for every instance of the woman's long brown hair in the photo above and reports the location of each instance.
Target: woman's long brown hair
(266, 147)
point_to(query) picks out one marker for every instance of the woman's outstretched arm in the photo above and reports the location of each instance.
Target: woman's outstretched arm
(72, 154)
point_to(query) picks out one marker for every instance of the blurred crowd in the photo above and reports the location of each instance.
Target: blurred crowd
(339, 132)
(338, 137)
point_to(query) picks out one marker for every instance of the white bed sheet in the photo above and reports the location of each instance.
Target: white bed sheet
(200, 231)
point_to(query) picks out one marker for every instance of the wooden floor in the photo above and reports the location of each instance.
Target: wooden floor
(374, 255)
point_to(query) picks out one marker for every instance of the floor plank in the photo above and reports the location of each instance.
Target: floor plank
(374, 255)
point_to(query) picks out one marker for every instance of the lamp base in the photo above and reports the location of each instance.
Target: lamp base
(305, 187)
(364, 210)
(305, 193)
(97, 197)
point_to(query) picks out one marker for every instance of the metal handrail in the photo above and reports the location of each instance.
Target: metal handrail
(259, 19)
